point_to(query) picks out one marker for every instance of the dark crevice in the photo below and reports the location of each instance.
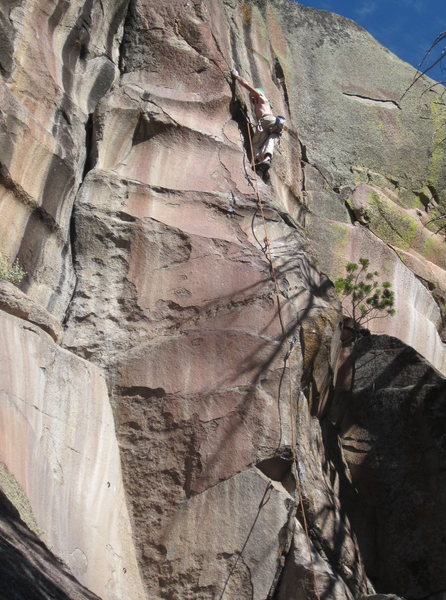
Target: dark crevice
(91, 147)
(280, 77)
(434, 193)
(303, 153)
(350, 211)
(278, 468)
(389, 103)
(239, 113)
(192, 465)
(286, 535)
(130, 18)
(72, 242)
(141, 392)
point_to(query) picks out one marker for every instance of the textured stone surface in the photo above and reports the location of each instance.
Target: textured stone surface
(128, 198)
(16, 303)
(174, 298)
(54, 408)
(59, 61)
(378, 156)
(27, 568)
(239, 553)
(307, 575)
(392, 433)
(322, 477)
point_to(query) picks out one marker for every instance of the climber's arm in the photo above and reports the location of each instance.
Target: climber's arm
(245, 84)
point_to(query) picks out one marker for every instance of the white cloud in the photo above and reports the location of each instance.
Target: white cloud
(367, 7)
(417, 5)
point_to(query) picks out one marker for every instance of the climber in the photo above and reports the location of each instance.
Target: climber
(268, 129)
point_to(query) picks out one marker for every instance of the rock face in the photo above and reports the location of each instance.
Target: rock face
(66, 478)
(187, 293)
(59, 58)
(374, 167)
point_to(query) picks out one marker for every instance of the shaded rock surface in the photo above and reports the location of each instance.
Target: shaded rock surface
(28, 570)
(127, 195)
(392, 434)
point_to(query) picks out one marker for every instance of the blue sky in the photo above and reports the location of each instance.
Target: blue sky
(406, 27)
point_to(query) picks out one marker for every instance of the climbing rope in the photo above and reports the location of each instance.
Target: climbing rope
(267, 245)
(262, 503)
(266, 249)
(268, 254)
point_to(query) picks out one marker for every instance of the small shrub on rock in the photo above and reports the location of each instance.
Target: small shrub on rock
(367, 297)
(11, 272)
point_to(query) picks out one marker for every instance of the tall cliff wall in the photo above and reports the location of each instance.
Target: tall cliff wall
(168, 416)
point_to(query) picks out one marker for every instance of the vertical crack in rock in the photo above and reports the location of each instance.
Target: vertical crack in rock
(280, 77)
(80, 37)
(91, 154)
(72, 238)
(304, 161)
(285, 541)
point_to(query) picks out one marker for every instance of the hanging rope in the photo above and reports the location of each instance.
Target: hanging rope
(266, 249)
(268, 253)
(262, 503)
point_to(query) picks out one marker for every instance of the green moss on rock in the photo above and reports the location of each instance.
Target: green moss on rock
(14, 492)
(391, 224)
(432, 249)
(395, 227)
(338, 237)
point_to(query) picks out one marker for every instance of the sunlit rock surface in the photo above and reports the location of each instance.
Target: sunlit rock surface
(197, 294)
(58, 450)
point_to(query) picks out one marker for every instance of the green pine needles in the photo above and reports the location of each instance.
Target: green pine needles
(11, 272)
(368, 298)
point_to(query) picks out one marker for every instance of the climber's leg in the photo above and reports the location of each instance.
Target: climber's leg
(258, 141)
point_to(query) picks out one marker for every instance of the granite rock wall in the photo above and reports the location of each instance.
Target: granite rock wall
(170, 361)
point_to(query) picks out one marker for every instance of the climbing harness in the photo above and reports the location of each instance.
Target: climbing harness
(279, 125)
